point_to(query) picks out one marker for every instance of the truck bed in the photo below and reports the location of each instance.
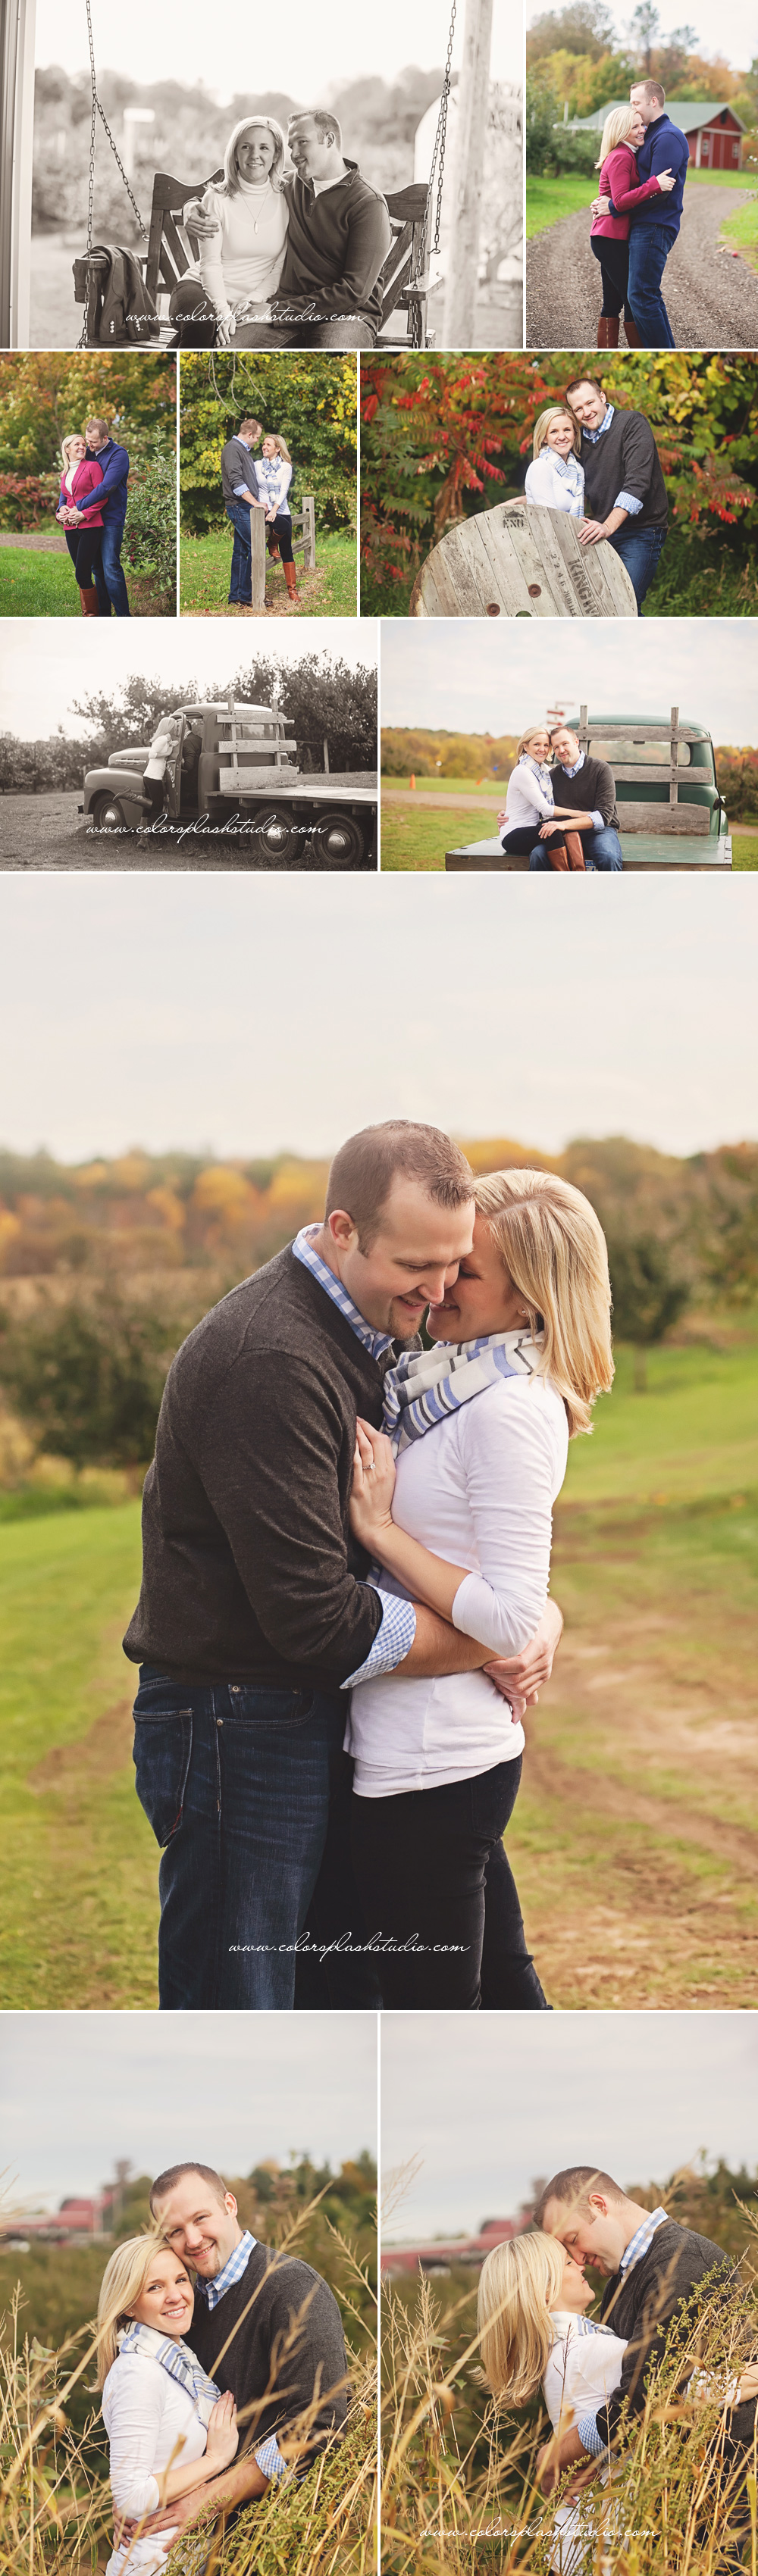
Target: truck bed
(640, 850)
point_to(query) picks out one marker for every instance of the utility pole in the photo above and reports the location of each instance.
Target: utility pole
(472, 102)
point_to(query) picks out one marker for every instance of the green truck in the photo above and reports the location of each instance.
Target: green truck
(233, 769)
(678, 821)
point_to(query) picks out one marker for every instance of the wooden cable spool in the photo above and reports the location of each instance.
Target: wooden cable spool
(520, 560)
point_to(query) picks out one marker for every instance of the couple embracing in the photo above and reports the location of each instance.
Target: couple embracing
(92, 511)
(222, 2368)
(291, 241)
(344, 1609)
(593, 2372)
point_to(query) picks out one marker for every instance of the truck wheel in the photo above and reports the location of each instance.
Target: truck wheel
(338, 840)
(108, 815)
(276, 833)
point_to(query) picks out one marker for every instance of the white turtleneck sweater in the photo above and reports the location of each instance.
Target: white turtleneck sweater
(244, 261)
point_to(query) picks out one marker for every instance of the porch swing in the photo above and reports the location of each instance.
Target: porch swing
(121, 290)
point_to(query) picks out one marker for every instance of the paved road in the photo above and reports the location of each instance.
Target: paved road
(39, 832)
(711, 298)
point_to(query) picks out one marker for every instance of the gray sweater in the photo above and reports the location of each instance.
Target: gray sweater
(678, 2268)
(592, 791)
(250, 1572)
(237, 467)
(625, 459)
(264, 2359)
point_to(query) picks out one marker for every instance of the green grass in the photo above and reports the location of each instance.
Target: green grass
(742, 229)
(39, 584)
(744, 851)
(548, 199)
(415, 839)
(331, 592)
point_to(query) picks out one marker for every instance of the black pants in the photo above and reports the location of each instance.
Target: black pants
(614, 271)
(425, 1862)
(525, 836)
(84, 548)
(281, 529)
(155, 788)
(335, 1970)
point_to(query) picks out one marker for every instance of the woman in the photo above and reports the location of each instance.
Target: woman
(530, 802)
(242, 261)
(164, 741)
(81, 473)
(158, 2404)
(273, 475)
(555, 478)
(623, 132)
(480, 1434)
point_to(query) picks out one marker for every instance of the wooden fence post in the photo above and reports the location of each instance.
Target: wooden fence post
(309, 535)
(258, 557)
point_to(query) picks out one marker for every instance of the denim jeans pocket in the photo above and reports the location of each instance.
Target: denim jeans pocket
(253, 1706)
(162, 1749)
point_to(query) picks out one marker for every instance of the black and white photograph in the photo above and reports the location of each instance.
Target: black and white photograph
(367, 189)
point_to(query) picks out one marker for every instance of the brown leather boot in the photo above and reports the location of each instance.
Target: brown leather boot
(557, 855)
(272, 542)
(289, 575)
(602, 332)
(90, 603)
(633, 340)
(611, 331)
(575, 848)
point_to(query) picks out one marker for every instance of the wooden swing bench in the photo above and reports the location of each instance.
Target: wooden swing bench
(166, 262)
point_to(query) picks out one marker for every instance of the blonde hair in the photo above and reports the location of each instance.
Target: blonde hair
(528, 737)
(280, 444)
(67, 443)
(618, 125)
(518, 2283)
(560, 411)
(122, 2283)
(229, 186)
(554, 1250)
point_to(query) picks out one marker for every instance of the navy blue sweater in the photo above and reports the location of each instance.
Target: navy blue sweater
(665, 148)
(111, 493)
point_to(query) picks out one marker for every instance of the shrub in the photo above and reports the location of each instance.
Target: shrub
(88, 1380)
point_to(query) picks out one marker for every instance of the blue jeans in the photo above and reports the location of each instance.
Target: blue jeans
(235, 1782)
(649, 246)
(601, 850)
(241, 577)
(107, 574)
(640, 549)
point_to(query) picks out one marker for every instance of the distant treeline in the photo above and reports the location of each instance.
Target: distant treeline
(324, 700)
(413, 751)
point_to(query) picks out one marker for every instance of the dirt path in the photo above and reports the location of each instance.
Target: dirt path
(44, 541)
(48, 832)
(711, 298)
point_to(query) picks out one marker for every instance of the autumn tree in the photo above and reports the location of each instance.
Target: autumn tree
(310, 399)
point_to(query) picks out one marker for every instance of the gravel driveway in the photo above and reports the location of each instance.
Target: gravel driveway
(711, 298)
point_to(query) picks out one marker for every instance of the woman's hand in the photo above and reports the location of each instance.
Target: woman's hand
(225, 324)
(502, 817)
(748, 2386)
(373, 1484)
(223, 2435)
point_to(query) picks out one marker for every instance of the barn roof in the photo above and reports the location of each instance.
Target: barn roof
(688, 113)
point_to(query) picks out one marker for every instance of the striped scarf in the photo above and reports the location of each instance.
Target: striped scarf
(426, 1386)
(178, 2360)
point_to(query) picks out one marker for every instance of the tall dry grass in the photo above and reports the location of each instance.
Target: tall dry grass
(459, 2494)
(56, 2515)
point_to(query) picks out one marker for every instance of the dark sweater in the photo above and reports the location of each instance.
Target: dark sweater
(282, 2289)
(592, 791)
(236, 467)
(665, 148)
(249, 1569)
(641, 2306)
(337, 244)
(625, 459)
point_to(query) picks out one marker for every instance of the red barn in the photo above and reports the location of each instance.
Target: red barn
(437, 2257)
(714, 133)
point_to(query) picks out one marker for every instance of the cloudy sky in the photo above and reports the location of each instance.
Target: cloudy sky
(78, 2090)
(488, 2105)
(250, 1015)
(143, 41)
(42, 674)
(489, 680)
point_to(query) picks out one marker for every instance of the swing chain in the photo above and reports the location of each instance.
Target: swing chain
(437, 155)
(98, 110)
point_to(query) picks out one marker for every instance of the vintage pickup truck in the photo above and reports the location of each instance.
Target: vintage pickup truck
(233, 767)
(679, 822)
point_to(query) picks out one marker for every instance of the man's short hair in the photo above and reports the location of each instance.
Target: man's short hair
(327, 126)
(245, 425)
(365, 1167)
(572, 2188)
(651, 89)
(576, 381)
(166, 2182)
(562, 728)
(94, 423)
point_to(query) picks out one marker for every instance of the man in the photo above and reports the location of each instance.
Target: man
(109, 496)
(240, 492)
(655, 2271)
(654, 225)
(624, 491)
(590, 786)
(255, 1614)
(338, 239)
(266, 2327)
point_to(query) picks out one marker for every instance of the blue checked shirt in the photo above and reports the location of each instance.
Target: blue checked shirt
(268, 2454)
(394, 1639)
(633, 2252)
(624, 500)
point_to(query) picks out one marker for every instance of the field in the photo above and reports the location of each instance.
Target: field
(414, 838)
(634, 1841)
(38, 583)
(547, 199)
(332, 591)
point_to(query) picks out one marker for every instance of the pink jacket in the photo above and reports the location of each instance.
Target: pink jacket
(85, 478)
(619, 180)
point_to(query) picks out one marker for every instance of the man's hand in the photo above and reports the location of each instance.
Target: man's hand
(171, 2518)
(589, 531)
(601, 206)
(203, 225)
(557, 2455)
(523, 1675)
